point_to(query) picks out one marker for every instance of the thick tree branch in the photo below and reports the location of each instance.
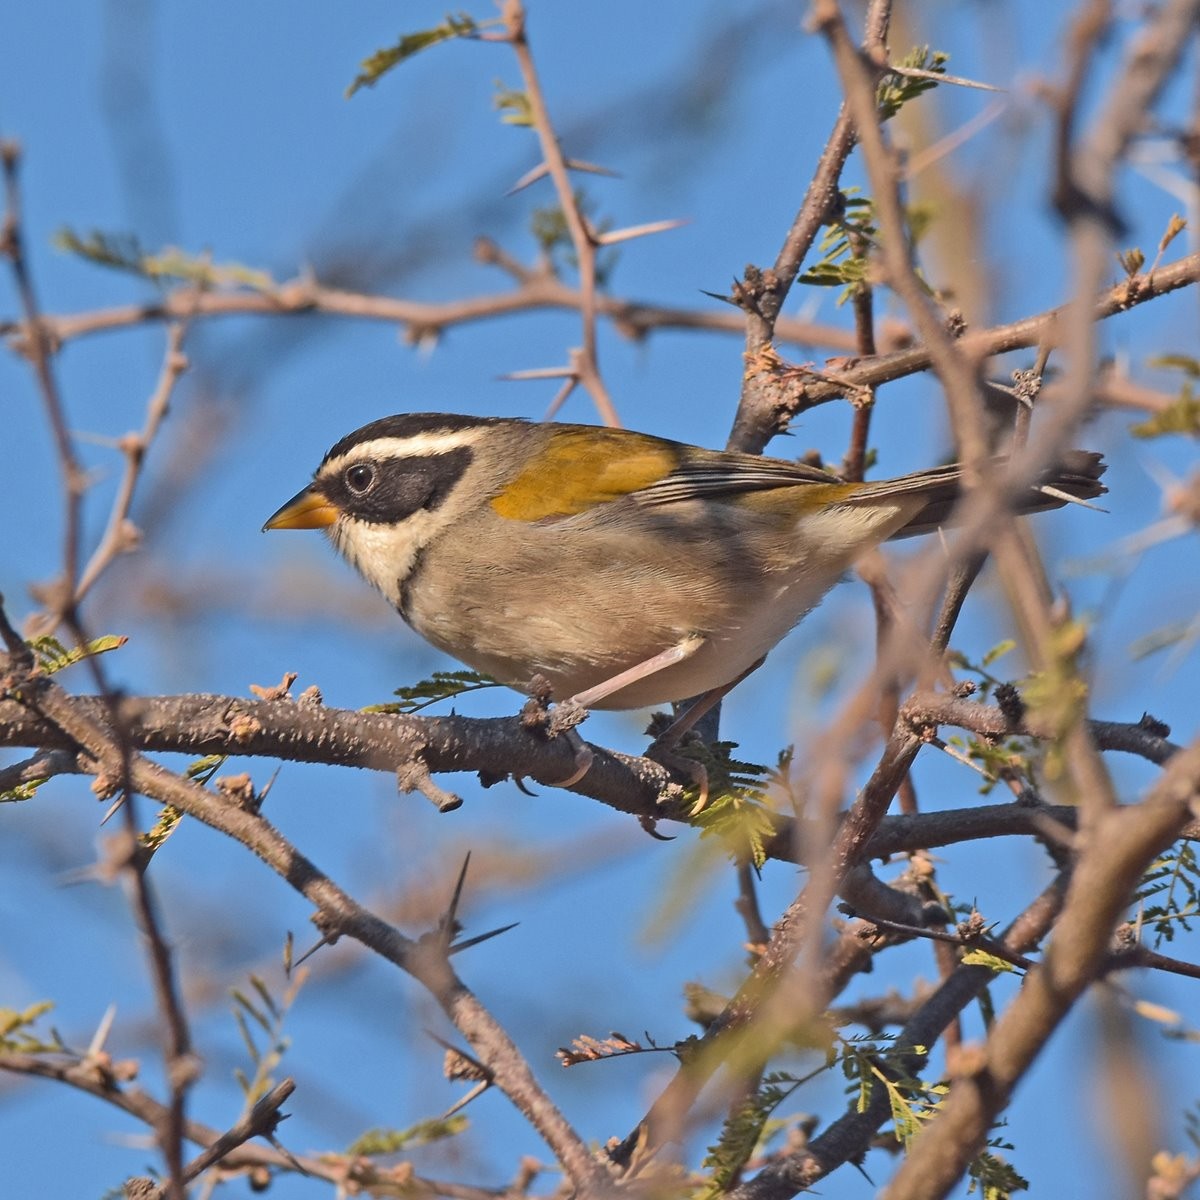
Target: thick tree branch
(500, 746)
(297, 732)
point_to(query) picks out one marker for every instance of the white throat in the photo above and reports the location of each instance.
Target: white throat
(384, 555)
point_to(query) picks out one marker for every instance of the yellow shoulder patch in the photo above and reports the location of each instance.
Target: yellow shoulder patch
(580, 468)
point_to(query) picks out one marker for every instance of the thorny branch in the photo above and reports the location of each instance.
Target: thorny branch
(583, 238)
(200, 724)
(799, 391)
(338, 914)
(847, 1137)
(760, 414)
(120, 536)
(535, 290)
(237, 1155)
(39, 350)
(109, 736)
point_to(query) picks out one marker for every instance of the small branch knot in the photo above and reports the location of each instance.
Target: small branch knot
(239, 790)
(244, 727)
(414, 776)
(1154, 727)
(564, 717)
(973, 928)
(1009, 701)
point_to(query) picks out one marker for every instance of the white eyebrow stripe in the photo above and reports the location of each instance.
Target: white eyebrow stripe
(419, 445)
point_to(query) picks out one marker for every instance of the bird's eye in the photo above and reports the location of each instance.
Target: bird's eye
(360, 477)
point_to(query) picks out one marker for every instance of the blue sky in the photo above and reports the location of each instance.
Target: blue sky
(224, 129)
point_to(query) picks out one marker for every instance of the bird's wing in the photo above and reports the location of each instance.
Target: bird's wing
(582, 468)
(711, 475)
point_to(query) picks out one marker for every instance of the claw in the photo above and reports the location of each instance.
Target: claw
(583, 758)
(650, 826)
(663, 753)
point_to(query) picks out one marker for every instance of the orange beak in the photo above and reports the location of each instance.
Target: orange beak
(308, 509)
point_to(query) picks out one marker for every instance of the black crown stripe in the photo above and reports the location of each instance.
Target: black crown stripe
(407, 425)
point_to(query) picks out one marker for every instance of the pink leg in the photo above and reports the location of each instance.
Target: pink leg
(664, 744)
(702, 704)
(660, 662)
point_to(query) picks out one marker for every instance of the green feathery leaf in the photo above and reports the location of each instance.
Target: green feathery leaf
(373, 68)
(441, 685)
(123, 252)
(394, 1141)
(16, 1031)
(53, 656)
(513, 106)
(895, 91)
(744, 1132)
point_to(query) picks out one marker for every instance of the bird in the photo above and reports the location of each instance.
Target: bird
(624, 569)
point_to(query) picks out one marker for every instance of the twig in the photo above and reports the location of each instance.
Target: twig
(338, 912)
(94, 1080)
(119, 535)
(804, 392)
(957, 374)
(889, 615)
(757, 933)
(261, 1121)
(38, 768)
(1143, 956)
(848, 1138)
(1113, 859)
(1145, 738)
(962, 579)
(634, 319)
(759, 415)
(182, 1066)
(964, 942)
(134, 447)
(583, 237)
(39, 349)
(864, 405)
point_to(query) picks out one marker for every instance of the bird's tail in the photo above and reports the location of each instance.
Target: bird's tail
(1074, 479)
